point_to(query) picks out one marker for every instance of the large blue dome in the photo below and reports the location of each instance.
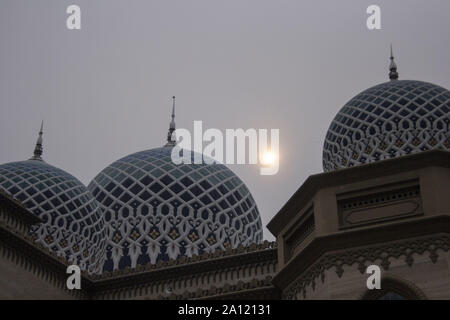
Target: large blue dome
(73, 225)
(389, 120)
(156, 210)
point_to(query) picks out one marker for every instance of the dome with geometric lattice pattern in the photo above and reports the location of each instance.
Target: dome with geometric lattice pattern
(156, 210)
(72, 223)
(388, 120)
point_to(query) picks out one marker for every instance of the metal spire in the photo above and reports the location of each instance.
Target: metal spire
(171, 141)
(38, 149)
(393, 74)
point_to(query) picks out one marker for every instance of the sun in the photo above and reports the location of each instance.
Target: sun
(268, 158)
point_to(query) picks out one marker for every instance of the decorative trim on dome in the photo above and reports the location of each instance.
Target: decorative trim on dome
(184, 260)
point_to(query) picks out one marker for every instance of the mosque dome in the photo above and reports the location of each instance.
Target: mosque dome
(156, 210)
(388, 120)
(72, 226)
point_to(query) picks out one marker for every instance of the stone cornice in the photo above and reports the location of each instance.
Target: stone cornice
(254, 289)
(162, 272)
(361, 239)
(269, 292)
(315, 182)
(380, 254)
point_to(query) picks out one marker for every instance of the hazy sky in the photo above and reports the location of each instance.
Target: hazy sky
(105, 91)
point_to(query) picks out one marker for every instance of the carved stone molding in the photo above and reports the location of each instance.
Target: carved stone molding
(365, 256)
(241, 289)
(177, 280)
(184, 260)
(401, 201)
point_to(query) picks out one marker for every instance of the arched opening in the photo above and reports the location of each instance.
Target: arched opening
(392, 295)
(395, 288)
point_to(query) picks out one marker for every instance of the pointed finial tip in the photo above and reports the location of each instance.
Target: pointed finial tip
(393, 74)
(170, 139)
(38, 148)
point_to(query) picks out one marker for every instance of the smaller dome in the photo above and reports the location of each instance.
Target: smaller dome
(73, 225)
(388, 120)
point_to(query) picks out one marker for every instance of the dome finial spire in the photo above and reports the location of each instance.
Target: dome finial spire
(38, 148)
(393, 74)
(170, 140)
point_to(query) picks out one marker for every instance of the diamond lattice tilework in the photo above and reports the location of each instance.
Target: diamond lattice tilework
(72, 222)
(386, 121)
(156, 210)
